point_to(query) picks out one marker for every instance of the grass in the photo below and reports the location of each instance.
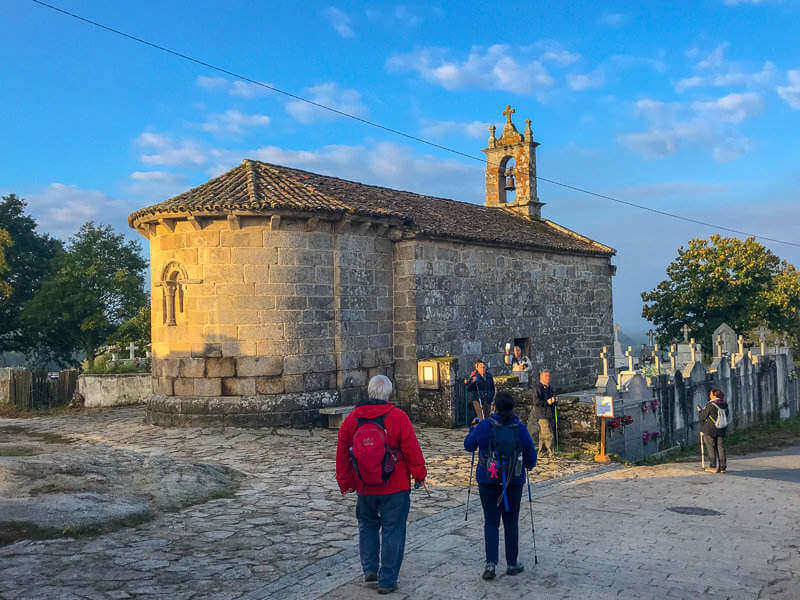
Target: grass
(765, 436)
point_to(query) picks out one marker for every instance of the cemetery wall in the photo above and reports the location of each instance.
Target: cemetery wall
(5, 385)
(757, 389)
(100, 391)
(467, 301)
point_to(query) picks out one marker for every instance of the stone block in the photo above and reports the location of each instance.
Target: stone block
(349, 360)
(269, 385)
(183, 386)
(293, 383)
(254, 302)
(291, 302)
(273, 331)
(170, 367)
(215, 256)
(238, 386)
(279, 274)
(220, 367)
(208, 386)
(192, 367)
(354, 378)
(319, 381)
(369, 358)
(235, 289)
(256, 273)
(223, 273)
(309, 363)
(163, 386)
(253, 256)
(309, 330)
(245, 238)
(254, 366)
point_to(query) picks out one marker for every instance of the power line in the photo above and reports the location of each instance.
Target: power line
(395, 131)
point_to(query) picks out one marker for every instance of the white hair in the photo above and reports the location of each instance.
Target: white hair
(379, 388)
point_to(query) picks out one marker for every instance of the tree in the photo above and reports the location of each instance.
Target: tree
(723, 280)
(5, 242)
(136, 330)
(29, 259)
(96, 285)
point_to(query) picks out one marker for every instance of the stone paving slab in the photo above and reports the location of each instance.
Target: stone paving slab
(286, 515)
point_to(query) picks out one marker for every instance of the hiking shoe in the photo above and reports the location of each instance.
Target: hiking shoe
(515, 569)
(489, 571)
(387, 590)
(370, 577)
(711, 470)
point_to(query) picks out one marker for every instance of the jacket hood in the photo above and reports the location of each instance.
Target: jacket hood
(720, 403)
(513, 420)
(372, 408)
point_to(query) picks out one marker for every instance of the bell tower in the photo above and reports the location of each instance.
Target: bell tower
(502, 177)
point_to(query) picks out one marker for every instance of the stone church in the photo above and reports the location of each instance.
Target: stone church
(277, 291)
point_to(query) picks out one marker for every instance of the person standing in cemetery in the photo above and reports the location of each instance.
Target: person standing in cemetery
(714, 425)
(518, 361)
(376, 455)
(505, 448)
(481, 383)
(544, 402)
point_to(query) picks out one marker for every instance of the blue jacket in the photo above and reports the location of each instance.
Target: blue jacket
(479, 438)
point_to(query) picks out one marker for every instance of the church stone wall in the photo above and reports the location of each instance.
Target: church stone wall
(469, 300)
(289, 318)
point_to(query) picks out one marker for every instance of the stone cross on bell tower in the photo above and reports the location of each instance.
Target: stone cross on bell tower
(513, 154)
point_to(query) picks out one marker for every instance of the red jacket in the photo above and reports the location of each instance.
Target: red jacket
(401, 436)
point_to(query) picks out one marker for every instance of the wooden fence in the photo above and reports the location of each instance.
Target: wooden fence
(33, 390)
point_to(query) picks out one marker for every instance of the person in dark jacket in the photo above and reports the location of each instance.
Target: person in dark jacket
(712, 436)
(544, 401)
(382, 508)
(481, 383)
(495, 504)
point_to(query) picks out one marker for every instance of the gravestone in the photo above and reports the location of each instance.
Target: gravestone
(620, 362)
(728, 337)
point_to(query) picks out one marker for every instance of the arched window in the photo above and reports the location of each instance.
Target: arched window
(173, 280)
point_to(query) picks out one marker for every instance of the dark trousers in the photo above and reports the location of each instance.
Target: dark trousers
(716, 451)
(387, 514)
(493, 511)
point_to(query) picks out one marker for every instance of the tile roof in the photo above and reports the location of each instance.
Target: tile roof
(256, 186)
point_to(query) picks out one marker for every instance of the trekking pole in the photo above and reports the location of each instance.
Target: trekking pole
(469, 489)
(702, 453)
(533, 529)
(555, 411)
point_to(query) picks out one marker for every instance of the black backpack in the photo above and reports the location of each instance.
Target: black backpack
(504, 458)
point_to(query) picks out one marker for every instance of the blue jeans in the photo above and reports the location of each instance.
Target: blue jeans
(387, 513)
(493, 508)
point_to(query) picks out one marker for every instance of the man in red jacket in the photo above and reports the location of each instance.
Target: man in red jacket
(383, 503)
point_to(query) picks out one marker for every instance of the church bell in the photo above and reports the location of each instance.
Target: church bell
(509, 186)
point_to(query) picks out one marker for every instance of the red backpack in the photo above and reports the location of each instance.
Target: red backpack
(372, 458)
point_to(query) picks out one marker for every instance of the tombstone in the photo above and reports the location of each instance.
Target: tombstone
(630, 372)
(684, 354)
(762, 339)
(132, 351)
(728, 337)
(619, 356)
(602, 380)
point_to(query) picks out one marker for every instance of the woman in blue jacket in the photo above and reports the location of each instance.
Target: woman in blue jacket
(505, 451)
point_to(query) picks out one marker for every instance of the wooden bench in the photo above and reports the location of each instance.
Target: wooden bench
(336, 415)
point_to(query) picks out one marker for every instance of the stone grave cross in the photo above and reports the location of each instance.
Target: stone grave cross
(673, 360)
(650, 337)
(629, 354)
(132, 351)
(692, 350)
(657, 358)
(741, 345)
(720, 344)
(604, 358)
(685, 330)
(762, 338)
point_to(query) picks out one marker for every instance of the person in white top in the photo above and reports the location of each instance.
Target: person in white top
(518, 361)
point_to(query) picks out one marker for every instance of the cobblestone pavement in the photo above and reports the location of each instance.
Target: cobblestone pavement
(286, 518)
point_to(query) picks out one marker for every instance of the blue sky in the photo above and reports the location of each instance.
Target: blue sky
(692, 107)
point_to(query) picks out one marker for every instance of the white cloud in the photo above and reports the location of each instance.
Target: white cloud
(233, 87)
(707, 124)
(406, 16)
(155, 186)
(328, 94)
(62, 208)
(438, 129)
(339, 21)
(401, 15)
(386, 164)
(716, 58)
(727, 74)
(613, 20)
(554, 52)
(791, 92)
(497, 67)
(165, 151)
(586, 81)
(233, 122)
(733, 108)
